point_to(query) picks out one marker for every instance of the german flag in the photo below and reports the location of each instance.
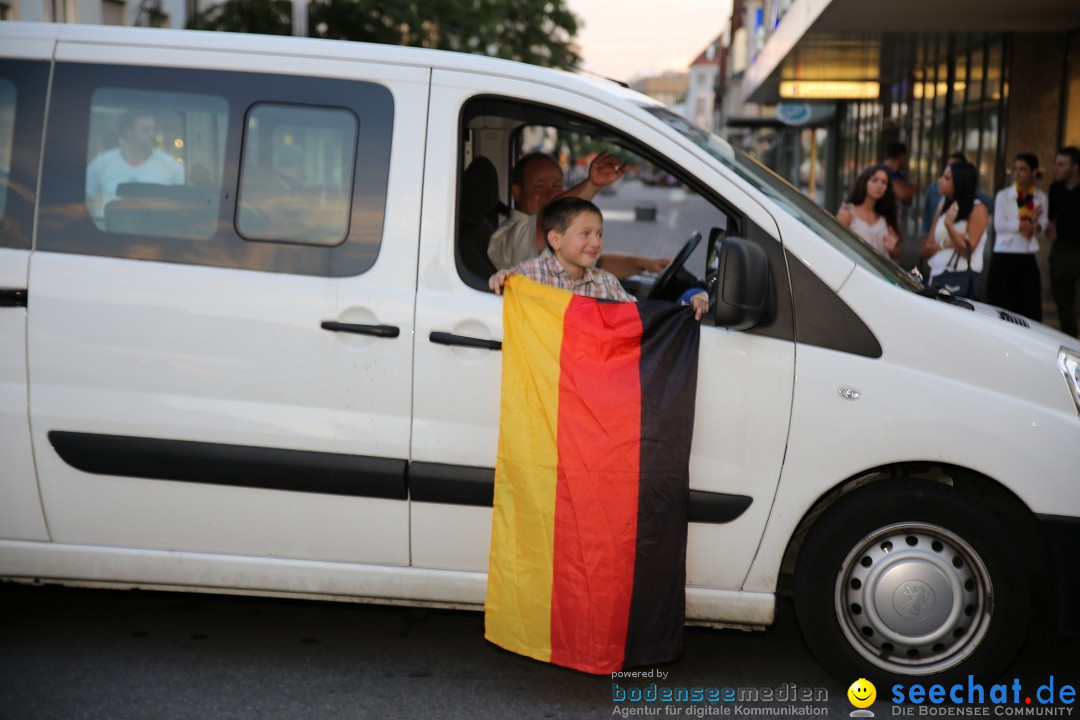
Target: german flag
(588, 539)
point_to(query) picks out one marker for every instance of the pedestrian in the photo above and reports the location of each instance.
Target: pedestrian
(870, 212)
(932, 199)
(958, 234)
(1014, 282)
(896, 157)
(1064, 232)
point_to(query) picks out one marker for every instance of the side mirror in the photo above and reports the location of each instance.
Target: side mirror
(744, 284)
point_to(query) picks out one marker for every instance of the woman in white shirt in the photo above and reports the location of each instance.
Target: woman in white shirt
(870, 211)
(958, 230)
(1014, 282)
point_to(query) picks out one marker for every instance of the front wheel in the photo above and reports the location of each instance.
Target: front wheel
(903, 579)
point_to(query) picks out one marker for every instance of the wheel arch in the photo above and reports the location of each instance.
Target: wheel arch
(1017, 518)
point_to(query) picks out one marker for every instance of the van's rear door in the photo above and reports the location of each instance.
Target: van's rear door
(24, 81)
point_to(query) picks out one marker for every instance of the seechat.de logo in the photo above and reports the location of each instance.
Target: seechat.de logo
(862, 694)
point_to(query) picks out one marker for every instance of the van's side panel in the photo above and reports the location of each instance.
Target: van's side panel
(197, 402)
(951, 387)
(24, 80)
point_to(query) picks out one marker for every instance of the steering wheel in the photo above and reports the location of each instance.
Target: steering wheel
(672, 270)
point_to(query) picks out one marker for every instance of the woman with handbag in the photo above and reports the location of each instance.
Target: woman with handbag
(870, 212)
(957, 233)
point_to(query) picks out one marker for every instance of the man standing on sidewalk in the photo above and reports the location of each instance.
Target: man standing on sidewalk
(1064, 232)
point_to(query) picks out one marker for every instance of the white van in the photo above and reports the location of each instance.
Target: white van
(240, 379)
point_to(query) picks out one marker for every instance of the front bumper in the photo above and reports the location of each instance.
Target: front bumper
(1063, 536)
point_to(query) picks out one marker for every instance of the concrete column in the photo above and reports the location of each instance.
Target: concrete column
(1035, 98)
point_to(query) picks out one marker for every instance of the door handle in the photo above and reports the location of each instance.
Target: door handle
(12, 298)
(445, 338)
(386, 331)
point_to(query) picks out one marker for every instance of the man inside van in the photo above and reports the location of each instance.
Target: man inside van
(537, 180)
(135, 160)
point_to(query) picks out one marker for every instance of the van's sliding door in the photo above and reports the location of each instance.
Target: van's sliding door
(222, 351)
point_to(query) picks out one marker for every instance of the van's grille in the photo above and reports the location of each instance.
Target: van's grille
(1014, 319)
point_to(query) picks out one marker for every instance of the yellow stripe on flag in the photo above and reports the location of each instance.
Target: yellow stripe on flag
(518, 605)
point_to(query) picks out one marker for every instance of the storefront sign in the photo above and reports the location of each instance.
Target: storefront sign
(797, 114)
(829, 90)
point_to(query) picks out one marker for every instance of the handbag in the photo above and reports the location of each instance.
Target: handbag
(960, 283)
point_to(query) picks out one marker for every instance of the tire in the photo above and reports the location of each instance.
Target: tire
(904, 579)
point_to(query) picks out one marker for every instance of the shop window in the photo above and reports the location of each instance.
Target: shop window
(1072, 114)
(994, 88)
(976, 76)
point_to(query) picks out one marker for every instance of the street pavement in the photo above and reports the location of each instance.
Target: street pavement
(69, 654)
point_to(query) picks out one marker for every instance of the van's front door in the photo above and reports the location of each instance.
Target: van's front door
(239, 386)
(745, 378)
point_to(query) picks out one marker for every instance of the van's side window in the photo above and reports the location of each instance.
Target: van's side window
(179, 165)
(154, 162)
(7, 135)
(22, 103)
(296, 179)
(652, 211)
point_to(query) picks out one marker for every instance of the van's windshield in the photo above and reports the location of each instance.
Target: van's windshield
(787, 196)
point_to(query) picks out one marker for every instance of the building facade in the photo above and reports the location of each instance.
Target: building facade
(701, 105)
(149, 13)
(988, 78)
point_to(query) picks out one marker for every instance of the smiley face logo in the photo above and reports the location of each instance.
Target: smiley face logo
(862, 693)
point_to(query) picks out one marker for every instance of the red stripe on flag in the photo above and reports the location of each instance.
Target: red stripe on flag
(596, 501)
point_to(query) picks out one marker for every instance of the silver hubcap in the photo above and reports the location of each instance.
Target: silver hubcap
(914, 598)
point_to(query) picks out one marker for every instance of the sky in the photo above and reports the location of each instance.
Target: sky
(627, 39)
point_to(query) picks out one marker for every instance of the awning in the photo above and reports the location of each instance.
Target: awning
(842, 39)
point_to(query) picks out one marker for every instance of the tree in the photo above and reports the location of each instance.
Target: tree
(151, 14)
(265, 17)
(540, 32)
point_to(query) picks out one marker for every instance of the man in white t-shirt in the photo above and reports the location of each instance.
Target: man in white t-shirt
(536, 181)
(136, 160)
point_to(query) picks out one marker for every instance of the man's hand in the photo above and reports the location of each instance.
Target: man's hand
(700, 303)
(496, 281)
(652, 265)
(904, 191)
(605, 169)
(624, 266)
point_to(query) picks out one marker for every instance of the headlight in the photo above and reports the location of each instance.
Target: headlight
(1069, 362)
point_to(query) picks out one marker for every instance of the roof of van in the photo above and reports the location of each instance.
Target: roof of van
(158, 38)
